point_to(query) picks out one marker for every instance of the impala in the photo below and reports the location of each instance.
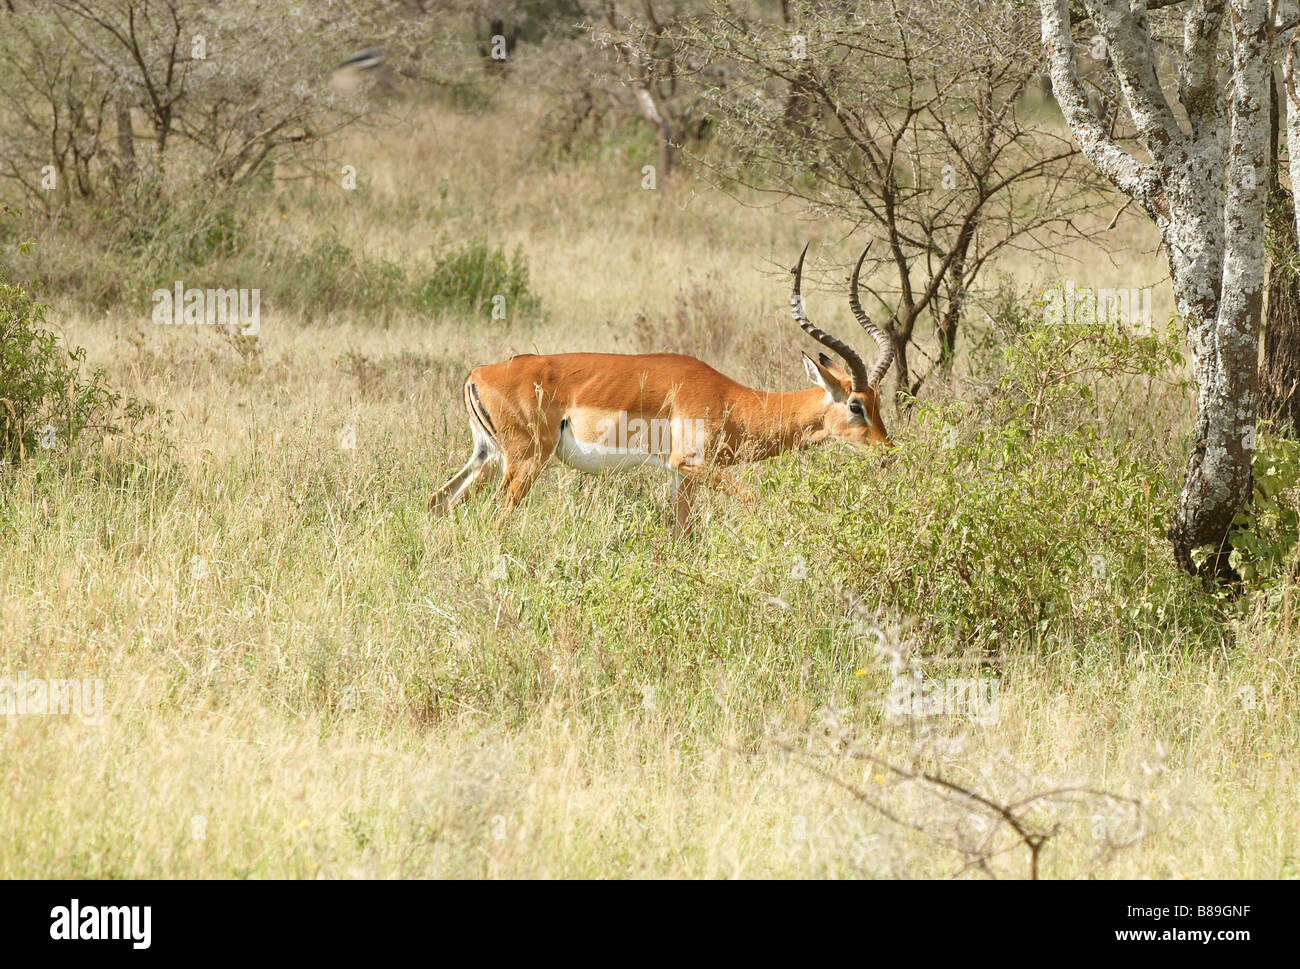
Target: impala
(604, 412)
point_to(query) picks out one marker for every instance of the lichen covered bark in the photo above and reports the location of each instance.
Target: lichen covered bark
(1212, 224)
(1218, 482)
(1280, 372)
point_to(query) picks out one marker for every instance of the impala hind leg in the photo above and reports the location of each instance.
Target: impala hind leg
(525, 458)
(477, 473)
(482, 468)
(515, 485)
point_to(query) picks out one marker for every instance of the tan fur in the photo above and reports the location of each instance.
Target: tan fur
(527, 397)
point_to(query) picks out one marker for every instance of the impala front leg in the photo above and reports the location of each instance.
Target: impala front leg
(689, 477)
(683, 500)
(714, 477)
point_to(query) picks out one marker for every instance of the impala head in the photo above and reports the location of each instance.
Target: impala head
(852, 398)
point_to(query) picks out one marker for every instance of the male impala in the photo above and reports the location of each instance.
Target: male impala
(611, 412)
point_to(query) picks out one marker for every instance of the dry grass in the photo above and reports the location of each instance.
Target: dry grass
(306, 676)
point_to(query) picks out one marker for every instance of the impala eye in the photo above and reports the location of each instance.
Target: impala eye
(856, 410)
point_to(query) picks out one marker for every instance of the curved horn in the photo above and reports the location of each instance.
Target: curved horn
(882, 338)
(856, 367)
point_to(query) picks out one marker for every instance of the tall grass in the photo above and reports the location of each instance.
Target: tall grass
(307, 676)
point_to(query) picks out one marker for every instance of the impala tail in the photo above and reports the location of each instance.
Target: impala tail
(485, 464)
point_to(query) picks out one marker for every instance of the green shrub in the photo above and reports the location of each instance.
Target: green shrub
(330, 277)
(1264, 535)
(45, 401)
(105, 255)
(158, 239)
(469, 279)
(1014, 522)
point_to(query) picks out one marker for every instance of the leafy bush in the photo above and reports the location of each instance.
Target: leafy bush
(1264, 536)
(157, 241)
(470, 278)
(1014, 521)
(330, 277)
(44, 398)
(139, 244)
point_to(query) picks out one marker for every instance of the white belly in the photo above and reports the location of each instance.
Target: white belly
(598, 457)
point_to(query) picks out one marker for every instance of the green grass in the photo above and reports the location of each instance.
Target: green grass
(306, 669)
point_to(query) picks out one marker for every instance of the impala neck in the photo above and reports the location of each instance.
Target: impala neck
(785, 421)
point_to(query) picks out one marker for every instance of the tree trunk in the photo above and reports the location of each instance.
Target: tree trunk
(947, 324)
(1279, 378)
(902, 372)
(125, 141)
(1225, 345)
(652, 114)
(1212, 226)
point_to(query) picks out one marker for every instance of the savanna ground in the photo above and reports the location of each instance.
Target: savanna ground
(306, 675)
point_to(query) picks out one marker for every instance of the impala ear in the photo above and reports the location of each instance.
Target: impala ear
(833, 368)
(821, 375)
